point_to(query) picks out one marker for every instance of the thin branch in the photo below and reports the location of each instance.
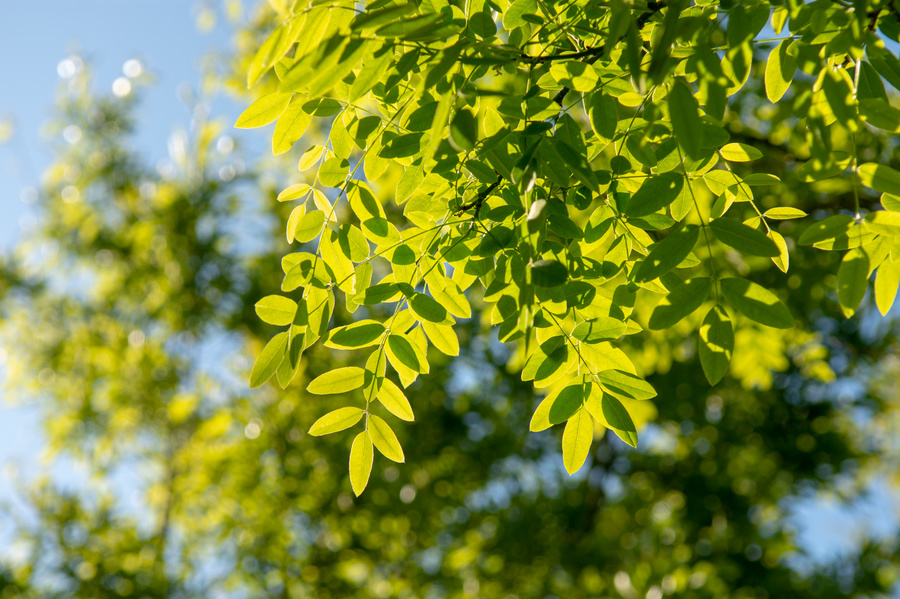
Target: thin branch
(479, 200)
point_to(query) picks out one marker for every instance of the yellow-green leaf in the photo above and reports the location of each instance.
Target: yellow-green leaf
(264, 111)
(576, 440)
(337, 420)
(361, 458)
(884, 222)
(619, 419)
(393, 399)
(743, 238)
(443, 337)
(880, 177)
(737, 152)
(686, 123)
(291, 126)
(626, 385)
(784, 213)
(362, 333)
(757, 303)
(269, 359)
(384, 439)
(339, 380)
(887, 281)
(716, 344)
(853, 280)
(780, 69)
(682, 300)
(276, 309)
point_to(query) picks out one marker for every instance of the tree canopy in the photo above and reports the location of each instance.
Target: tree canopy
(505, 218)
(597, 175)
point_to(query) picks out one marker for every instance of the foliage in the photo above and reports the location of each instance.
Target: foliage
(198, 487)
(585, 171)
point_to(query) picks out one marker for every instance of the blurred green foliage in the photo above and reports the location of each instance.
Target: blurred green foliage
(127, 320)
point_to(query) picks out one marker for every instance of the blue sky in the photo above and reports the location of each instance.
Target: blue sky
(36, 36)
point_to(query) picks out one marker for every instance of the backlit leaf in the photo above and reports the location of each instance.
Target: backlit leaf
(269, 359)
(756, 303)
(384, 439)
(361, 458)
(853, 280)
(338, 420)
(716, 344)
(276, 309)
(576, 440)
(743, 238)
(339, 380)
(682, 301)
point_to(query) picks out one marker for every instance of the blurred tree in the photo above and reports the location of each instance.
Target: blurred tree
(122, 314)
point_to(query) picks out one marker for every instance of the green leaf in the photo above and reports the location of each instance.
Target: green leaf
(603, 116)
(682, 301)
(890, 202)
(879, 113)
(269, 359)
(827, 228)
(576, 440)
(716, 344)
(339, 380)
(757, 303)
(887, 281)
(338, 420)
(464, 129)
(549, 273)
(393, 399)
(667, 254)
(403, 356)
(381, 16)
(577, 76)
(362, 333)
(780, 69)
(577, 161)
(425, 308)
(853, 280)
(384, 439)
(880, 177)
(686, 124)
(512, 18)
(382, 292)
(264, 111)
(599, 329)
(626, 385)
(656, 192)
(885, 63)
(309, 226)
(784, 213)
(290, 127)
(884, 222)
(743, 238)
(293, 192)
(736, 152)
(567, 401)
(443, 337)
(361, 458)
(619, 419)
(334, 172)
(276, 309)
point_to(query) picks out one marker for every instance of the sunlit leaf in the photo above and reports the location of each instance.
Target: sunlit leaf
(337, 420)
(361, 458)
(339, 380)
(756, 303)
(716, 344)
